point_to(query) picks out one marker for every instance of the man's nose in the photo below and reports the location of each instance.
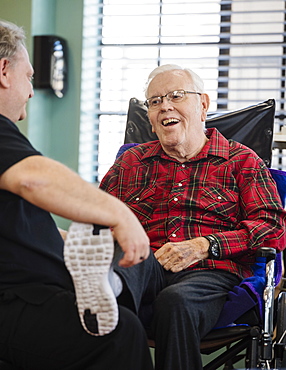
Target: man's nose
(166, 104)
(31, 94)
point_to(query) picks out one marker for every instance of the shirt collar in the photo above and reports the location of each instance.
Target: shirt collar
(217, 146)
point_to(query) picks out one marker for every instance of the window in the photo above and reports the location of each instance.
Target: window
(237, 47)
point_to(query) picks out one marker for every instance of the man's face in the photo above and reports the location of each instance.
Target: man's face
(21, 88)
(177, 124)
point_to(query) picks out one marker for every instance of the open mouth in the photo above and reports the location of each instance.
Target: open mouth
(170, 122)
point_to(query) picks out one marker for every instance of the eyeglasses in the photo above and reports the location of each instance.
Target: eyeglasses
(174, 96)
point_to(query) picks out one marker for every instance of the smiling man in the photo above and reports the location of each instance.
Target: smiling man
(179, 130)
(206, 204)
(40, 324)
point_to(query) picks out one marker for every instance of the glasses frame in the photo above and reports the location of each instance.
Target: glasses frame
(146, 103)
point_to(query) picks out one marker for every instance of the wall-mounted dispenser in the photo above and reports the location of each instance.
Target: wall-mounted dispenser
(50, 64)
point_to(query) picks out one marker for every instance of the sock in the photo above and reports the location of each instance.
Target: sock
(115, 282)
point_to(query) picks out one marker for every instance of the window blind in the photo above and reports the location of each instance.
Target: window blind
(236, 46)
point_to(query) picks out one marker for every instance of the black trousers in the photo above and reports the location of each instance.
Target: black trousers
(49, 336)
(177, 309)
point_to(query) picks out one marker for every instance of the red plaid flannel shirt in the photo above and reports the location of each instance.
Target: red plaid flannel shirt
(225, 191)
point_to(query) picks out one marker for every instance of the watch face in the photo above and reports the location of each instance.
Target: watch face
(215, 250)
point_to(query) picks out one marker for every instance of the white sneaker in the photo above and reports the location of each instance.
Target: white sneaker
(88, 258)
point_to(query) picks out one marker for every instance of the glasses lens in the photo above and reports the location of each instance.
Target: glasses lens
(176, 96)
(154, 102)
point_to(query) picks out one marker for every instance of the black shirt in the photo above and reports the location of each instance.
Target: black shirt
(31, 248)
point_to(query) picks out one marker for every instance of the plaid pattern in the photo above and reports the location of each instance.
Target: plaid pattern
(225, 191)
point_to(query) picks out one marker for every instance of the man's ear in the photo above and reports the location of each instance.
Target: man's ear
(205, 99)
(4, 69)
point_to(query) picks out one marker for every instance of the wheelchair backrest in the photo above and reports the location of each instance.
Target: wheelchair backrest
(251, 126)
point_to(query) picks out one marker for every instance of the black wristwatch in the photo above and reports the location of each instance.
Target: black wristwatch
(214, 251)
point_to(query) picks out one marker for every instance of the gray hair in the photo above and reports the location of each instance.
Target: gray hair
(12, 38)
(197, 81)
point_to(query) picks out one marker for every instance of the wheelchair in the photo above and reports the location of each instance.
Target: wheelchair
(257, 334)
(258, 337)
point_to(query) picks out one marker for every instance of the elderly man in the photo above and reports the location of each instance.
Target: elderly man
(206, 204)
(40, 325)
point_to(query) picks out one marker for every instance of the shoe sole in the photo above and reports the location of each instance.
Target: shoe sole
(88, 258)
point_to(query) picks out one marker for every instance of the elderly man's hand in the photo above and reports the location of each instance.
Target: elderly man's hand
(178, 256)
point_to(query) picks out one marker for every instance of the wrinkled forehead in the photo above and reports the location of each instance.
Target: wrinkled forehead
(167, 81)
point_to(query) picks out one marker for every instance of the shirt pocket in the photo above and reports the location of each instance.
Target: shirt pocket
(219, 203)
(142, 203)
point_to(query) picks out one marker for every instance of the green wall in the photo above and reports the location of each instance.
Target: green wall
(52, 124)
(59, 125)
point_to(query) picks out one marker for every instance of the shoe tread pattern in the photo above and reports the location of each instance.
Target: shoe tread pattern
(88, 258)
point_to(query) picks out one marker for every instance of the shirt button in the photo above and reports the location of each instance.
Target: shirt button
(176, 199)
(180, 184)
(183, 165)
(219, 197)
(174, 235)
(137, 198)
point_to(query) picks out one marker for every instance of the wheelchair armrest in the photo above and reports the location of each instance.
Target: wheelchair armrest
(266, 252)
